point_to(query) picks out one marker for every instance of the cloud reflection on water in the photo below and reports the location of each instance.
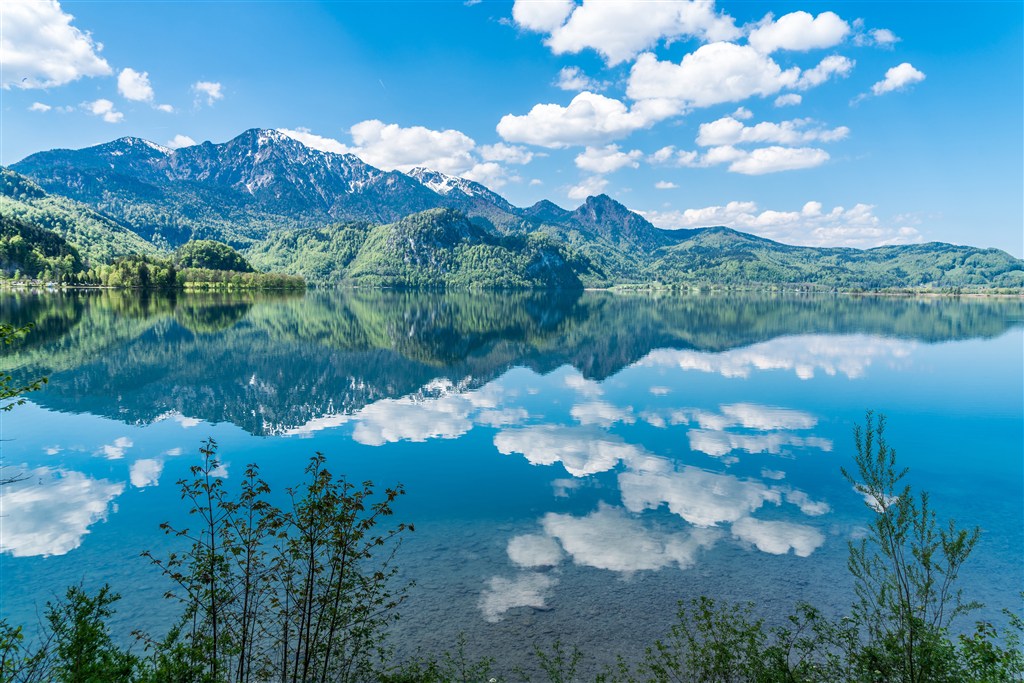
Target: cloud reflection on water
(51, 511)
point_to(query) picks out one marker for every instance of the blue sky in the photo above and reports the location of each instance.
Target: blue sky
(813, 123)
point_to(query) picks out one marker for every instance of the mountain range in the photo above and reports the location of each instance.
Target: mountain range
(334, 218)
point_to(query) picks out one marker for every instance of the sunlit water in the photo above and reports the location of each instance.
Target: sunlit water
(575, 465)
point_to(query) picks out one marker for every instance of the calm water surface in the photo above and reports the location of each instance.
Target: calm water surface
(575, 465)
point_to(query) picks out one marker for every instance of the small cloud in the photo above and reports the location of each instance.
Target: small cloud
(104, 108)
(788, 100)
(898, 78)
(876, 37)
(573, 79)
(53, 450)
(115, 451)
(589, 187)
(743, 114)
(134, 85)
(208, 89)
(534, 182)
(166, 108)
(660, 391)
(665, 185)
(173, 452)
(39, 106)
(179, 141)
(145, 472)
(607, 159)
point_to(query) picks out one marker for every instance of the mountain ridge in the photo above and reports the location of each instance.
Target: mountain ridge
(298, 208)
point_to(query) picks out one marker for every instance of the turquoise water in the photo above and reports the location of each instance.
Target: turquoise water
(575, 465)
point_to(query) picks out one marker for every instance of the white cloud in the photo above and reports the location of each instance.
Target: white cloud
(811, 508)
(700, 497)
(490, 174)
(799, 31)
(104, 108)
(542, 17)
(880, 37)
(573, 79)
(774, 159)
(788, 100)
(588, 118)
(510, 154)
(717, 443)
(601, 413)
(145, 472)
(39, 106)
(526, 590)
(616, 29)
(849, 355)
(179, 141)
(391, 420)
(581, 385)
(758, 161)
(743, 114)
(665, 185)
(833, 65)
(389, 146)
(611, 539)
(729, 131)
(607, 159)
(210, 90)
(115, 451)
(712, 74)
(898, 78)
(778, 538)
(534, 550)
(581, 450)
(41, 49)
(857, 226)
(314, 141)
(134, 85)
(589, 187)
(166, 108)
(49, 512)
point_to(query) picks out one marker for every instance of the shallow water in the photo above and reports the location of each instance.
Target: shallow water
(575, 465)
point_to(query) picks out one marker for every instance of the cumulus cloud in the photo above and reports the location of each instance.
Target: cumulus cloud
(729, 131)
(581, 385)
(529, 589)
(878, 37)
(115, 451)
(700, 497)
(898, 78)
(611, 539)
(179, 141)
(778, 538)
(51, 511)
(39, 106)
(601, 413)
(210, 91)
(145, 472)
(615, 28)
(41, 49)
(665, 185)
(390, 146)
(134, 85)
(607, 159)
(811, 225)
(717, 443)
(774, 159)
(582, 450)
(105, 109)
(711, 74)
(788, 100)
(510, 154)
(831, 66)
(314, 141)
(534, 550)
(573, 79)
(804, 355)
(799, 31)
(588, 118)
(589, 187)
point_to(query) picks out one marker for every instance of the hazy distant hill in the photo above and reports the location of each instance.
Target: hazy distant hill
(333, 218)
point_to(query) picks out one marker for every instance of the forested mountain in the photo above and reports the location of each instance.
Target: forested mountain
(332, 218)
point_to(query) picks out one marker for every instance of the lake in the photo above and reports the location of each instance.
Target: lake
(575, 463)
